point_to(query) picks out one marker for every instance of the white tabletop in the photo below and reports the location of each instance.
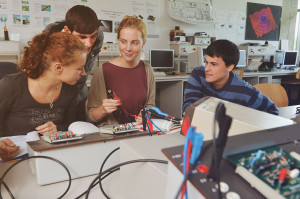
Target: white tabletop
(23, 185)
(274, 72)
(288, 112)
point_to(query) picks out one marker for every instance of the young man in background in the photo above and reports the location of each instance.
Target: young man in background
(216, 79)
(83, 22)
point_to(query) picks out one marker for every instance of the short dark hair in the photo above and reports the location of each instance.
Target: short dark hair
(82, 19)
(225, 49)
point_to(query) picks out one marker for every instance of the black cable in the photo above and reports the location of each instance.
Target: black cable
(97, 178)
(201, 155)
(118, 166)
(215, 148)
(124, 112)
(36, 157)
(193, 166)
(100, 184)
(8, 190)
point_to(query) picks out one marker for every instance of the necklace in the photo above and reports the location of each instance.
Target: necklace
(47, 96)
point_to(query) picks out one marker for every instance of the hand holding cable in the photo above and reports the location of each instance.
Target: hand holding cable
(110, 105)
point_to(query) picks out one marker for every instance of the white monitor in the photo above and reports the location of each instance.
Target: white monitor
(290, 59)
(243, 59)
(161, 58)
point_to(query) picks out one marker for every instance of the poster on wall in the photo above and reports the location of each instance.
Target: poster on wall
(263, 22)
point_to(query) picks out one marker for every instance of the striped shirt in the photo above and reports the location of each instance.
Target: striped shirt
(235, 90)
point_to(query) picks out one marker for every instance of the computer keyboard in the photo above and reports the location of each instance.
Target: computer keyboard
(159, 74)
(248, 70)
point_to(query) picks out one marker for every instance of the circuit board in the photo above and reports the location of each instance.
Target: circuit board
(60, 136)
(118, 129)
(272, 171)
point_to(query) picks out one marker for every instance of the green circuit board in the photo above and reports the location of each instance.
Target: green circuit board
(274, 166)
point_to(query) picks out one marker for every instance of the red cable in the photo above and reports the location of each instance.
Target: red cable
(189, 150)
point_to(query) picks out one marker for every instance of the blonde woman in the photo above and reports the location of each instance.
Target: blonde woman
(131, 79)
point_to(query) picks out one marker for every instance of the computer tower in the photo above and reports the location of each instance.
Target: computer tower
(279, 56)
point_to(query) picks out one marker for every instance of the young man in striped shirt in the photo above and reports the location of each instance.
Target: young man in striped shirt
(216, 79)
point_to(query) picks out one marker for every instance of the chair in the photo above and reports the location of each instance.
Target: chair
(7, 68)
(239, 72)
(288, 84)
(274, 92)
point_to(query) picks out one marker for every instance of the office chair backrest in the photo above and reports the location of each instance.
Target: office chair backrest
(7, 68)
(274, 92)
(298, 74)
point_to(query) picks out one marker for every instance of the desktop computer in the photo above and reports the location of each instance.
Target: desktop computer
(161, 60)
(286, 59)
(196, 58)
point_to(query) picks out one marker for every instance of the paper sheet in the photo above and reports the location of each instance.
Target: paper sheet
(83, 128)
(20, 140)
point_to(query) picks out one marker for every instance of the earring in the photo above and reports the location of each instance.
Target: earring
(142, 55)
(58, 72)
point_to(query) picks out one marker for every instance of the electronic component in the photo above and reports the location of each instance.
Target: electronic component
(118, 129)
(61, 136)
(183, 48)
(111, 94)
(156, 112)
(272, 171)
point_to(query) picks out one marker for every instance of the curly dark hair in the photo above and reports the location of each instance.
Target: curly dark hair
(48, 47)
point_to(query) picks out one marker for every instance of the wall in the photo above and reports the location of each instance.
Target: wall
(165, 23)
(288, 21)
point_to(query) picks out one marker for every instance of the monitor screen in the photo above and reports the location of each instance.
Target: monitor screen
(290, 58)
(161, 58)
(243, 59)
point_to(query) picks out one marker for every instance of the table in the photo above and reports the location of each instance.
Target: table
(23, 185)
(267, 77)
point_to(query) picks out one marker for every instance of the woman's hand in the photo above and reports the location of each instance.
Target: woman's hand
(110, 105)
(49, 127)
(8, 149)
